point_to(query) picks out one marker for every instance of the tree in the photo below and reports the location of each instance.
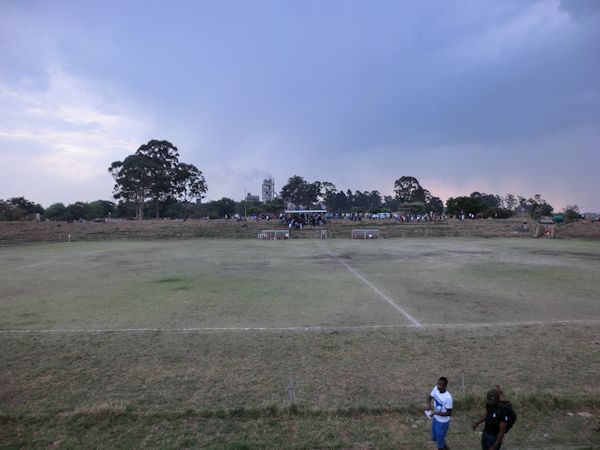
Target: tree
(125, 210)
(251, 207)
(328, 189)
(294, 190)
(366, 201)
(162, 171)
(538, 207)
(488, 200)
(375, 201)
(329, 195)
(133, 180)
(337, 202)
(313, 194)
(154, 173)
(510, 201)
(100, 209)
(76, 211)
(412, 196)
(275, 206)
(26, 206)
(464, 205)
(8, 211)
(189, 183)
(361, 201)
(223, 207)
(56, 211)
(500, 213)
(435, 204)
(390, 203)
(408, 189)
(572, 213)
(300, 192)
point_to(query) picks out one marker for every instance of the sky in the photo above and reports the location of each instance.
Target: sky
(494, 96)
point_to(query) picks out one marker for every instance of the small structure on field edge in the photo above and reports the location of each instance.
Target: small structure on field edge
(545, 228)
(274, 234)
(365, 234)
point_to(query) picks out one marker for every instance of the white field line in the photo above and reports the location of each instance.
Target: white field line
(368, 283)
(312, 328)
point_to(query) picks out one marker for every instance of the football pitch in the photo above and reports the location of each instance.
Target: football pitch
(301, 343)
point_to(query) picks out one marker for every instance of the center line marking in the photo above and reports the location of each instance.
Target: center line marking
(368, 283)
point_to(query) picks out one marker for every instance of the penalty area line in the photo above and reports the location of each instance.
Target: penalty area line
(368, 283)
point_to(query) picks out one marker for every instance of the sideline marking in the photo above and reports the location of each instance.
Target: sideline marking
(368, 283)
(314, 328)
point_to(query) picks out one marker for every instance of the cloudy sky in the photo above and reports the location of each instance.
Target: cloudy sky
(487, 95)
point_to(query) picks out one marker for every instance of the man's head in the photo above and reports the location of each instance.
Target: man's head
(442, 384)
(493, 396)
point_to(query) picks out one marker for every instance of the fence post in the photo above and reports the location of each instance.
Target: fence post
(290, 389)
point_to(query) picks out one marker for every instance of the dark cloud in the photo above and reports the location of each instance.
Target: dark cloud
(580, 9)
(247, 88)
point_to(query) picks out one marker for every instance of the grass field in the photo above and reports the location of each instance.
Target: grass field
(193, 343)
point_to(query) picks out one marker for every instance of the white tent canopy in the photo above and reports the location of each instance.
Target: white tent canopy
(305, 211)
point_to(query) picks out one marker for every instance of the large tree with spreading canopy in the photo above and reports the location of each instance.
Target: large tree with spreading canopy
(154, 173)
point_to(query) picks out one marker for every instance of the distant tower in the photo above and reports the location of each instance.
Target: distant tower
(268, 190)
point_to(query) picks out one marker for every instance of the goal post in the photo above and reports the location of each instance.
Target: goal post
(274, 234)
(365, 234)
(321, 234)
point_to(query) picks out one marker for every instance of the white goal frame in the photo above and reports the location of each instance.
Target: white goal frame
(321, 234)
(274, 234)
(365, 234)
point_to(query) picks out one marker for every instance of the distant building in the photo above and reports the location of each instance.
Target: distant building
(252, 198)
(268, 190)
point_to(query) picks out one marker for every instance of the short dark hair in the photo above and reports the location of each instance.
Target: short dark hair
(444, 380)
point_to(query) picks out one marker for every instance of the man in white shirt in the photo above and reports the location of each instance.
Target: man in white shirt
(442, 410)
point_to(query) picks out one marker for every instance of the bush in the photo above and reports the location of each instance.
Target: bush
(9, 212)
(500, 213)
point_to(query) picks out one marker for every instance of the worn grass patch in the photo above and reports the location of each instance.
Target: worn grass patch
(170, 280)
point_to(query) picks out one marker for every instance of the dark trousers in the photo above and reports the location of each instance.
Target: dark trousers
(487, 440)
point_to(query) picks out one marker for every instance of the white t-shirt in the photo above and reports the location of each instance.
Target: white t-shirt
(441, 403)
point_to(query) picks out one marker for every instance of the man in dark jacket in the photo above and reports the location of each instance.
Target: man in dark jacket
(495, 418)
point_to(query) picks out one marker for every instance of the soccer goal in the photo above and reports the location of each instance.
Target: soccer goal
(274, 234)
(321, 234)
(365, 234)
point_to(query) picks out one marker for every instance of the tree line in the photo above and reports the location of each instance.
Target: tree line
(153, 181)
(412, 198)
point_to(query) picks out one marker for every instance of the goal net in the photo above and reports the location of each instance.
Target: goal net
(365, 234)
(321, 234)
(274, 234)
